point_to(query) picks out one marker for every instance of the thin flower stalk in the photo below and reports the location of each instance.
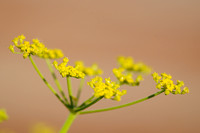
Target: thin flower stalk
(45, 81)
(122, 106)
(56, 80)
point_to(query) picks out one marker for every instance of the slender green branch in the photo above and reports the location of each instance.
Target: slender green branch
(68, 122)
(88, 100)
(79, 90)
(56, 80)
(45, 81)
(88, 105)
(69, 86)
(124, 105)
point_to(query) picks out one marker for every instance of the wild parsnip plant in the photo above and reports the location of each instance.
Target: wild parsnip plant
(103, 88)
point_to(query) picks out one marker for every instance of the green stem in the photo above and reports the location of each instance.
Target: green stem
(56, 80)
(88, 105)
(68, 122)
(69, 86)
(121, 106)
(45, 81)
(80, 90)
(88, 100)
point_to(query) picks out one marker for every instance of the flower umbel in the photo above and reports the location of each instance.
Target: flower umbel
(164, 82)
(128, 64)
(68, 71)
(108, 90)
(35, 48)
(88, 71)
(126, 78)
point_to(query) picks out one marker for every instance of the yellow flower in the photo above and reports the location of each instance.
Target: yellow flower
(36, 48)
(42, 128)
(68, 71)
(126, 78)
(164, 82)
(108, 90)
(88, 71)
(125, 62)
(128, 64)
(3, 115)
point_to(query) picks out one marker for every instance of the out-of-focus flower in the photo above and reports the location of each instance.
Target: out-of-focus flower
(128, 64)
(88, 71)
(126, 78)
(3, 115)
(42, 128)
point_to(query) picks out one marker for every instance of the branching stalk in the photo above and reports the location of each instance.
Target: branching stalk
(56, 80)
(124, 105)
(45, 81)
(69, 86)
(79, 90)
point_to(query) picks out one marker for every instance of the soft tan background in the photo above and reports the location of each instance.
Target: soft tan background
(163, 34)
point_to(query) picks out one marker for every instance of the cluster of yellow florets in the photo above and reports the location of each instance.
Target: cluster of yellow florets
(126, 70)
(3, 115)
(108, 90)
(90, 71)
(35, 48)
(68, 71)
(126, 78)
(164, 82)
(129, 64)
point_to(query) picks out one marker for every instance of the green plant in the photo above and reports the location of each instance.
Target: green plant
(102, 89)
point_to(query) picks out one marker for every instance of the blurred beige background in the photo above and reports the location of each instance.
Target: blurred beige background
(163, 34)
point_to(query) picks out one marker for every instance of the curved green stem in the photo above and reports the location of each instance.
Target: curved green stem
(121, 106)
(68, 122)
(69, 86)
(45, 81)
(88, 105)
(79, 90)
(56, 80)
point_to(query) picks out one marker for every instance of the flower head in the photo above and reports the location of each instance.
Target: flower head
(107, 89)
(68, 71)
(35, 48)
(88, 71)
(164, 82)
(128, 64)
(126, 78)
(3, 115)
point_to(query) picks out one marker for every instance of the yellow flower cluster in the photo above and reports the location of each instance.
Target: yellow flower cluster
(90, 71)
(42, 128)
(108, 90)
(129, 64)
(126, 78)
(3, 115)
(164, 82)
(68, 71)
(35, 48)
